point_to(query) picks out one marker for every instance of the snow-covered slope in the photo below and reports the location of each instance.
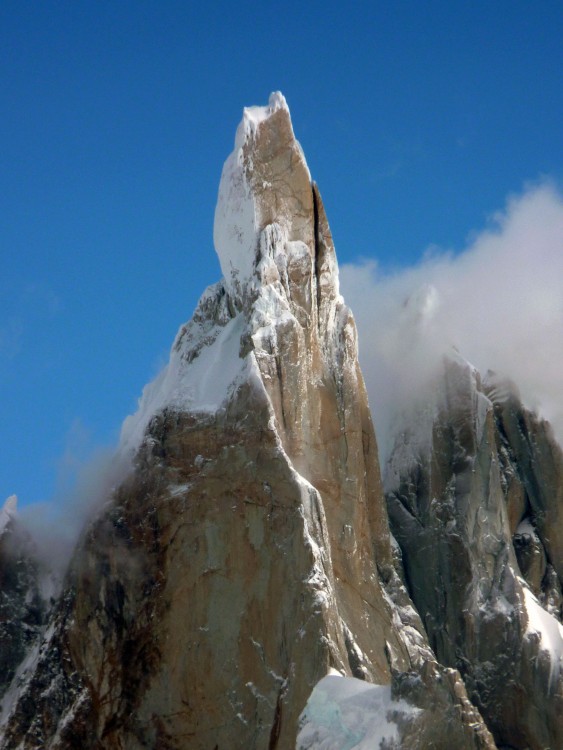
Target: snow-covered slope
(205, 367)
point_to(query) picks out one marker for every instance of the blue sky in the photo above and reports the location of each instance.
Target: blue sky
(417, 120)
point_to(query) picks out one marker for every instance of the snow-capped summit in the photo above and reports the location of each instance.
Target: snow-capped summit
(278, 261)
(265, 180)
(252, 117)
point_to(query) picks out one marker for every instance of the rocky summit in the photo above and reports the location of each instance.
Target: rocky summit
(249, 584)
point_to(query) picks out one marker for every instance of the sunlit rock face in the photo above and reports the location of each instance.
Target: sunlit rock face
(474, 496)
(248, 551)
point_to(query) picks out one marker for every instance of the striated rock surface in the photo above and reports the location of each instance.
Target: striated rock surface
(248, 551)
(474, 496)
(531, 466)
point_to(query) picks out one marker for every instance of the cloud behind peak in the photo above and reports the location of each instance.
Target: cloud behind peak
(499, 302)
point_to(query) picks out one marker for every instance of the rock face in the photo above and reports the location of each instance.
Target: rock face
(247, 553)
(474, 502)
(25, 599)
(23, 607)
(531, 464)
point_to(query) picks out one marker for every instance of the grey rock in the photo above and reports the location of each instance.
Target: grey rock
(23, 604)
(456, 499)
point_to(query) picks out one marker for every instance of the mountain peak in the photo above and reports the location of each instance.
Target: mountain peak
(247, 553)
(278, 261)
(253, 117)
(264, 181)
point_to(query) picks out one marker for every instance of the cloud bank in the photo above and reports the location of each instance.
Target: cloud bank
(499, 302)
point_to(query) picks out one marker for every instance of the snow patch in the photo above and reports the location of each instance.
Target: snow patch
(344, 713)
(525, 527)
(548, 629)
(175, 490)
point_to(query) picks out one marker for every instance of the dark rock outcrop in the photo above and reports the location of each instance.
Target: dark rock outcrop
(24, 599)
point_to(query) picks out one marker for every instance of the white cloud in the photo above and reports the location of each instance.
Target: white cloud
(499, 302)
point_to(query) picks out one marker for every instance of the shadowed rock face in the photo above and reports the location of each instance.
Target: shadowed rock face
(23, 609)
(485, 473)
(248, 552)
(531, 464)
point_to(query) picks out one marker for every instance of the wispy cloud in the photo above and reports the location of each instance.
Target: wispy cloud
(499, 302)
(87, 475)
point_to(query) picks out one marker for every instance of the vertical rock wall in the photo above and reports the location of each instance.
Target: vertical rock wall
(454, 503)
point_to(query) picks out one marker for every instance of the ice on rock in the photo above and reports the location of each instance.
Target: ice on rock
(235, 231)
(456, 391)
(237, 220)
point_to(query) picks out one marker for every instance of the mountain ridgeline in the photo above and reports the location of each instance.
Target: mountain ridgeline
(252, 582)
